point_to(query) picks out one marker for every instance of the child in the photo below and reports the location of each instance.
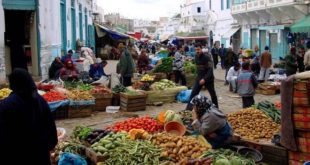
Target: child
(246, 83)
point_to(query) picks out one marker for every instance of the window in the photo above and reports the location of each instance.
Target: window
(222, 4)
(72, 4)
(228, 4)
(198, 9)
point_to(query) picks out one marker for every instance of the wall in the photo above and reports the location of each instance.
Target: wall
(2, 46)
(88, 5)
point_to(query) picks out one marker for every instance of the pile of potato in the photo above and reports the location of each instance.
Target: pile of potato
(253, 124)
(179, 148)
(79, 95)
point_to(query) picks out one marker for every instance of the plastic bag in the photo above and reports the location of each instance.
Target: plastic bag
(71, 159)
(183, 96)
(115, 80)
(102, 81)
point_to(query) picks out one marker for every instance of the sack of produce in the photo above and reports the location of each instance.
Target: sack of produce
(166, 96)
(69, 158)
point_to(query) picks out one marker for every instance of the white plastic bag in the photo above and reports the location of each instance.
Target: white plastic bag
(102, 81)
(115, 80)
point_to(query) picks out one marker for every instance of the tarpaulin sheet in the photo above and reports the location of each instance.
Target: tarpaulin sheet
(54, 105)
(84, 102)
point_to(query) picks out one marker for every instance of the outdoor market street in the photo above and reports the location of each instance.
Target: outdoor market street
(228, 102)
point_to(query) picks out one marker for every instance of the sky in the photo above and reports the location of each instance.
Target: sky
(141, 9)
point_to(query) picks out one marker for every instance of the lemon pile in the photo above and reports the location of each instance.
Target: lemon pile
(147, 77)
(5, 92)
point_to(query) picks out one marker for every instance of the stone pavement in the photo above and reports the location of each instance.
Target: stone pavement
(228, 102)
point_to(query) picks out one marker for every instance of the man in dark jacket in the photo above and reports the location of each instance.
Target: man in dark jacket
(215, 55)
(291, 62)
(26, 123)
(205, 77)
(230, 60)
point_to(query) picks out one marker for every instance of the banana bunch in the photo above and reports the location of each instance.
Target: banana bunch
(147, 77)
(5, 92)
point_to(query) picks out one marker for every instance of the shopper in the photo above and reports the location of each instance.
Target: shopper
(143, 62)
(178, 66)
(230, 60)
(26, 123)
(205, 77)
(300, 59)
(215, 55)
(126, 65)
(265, 63)
(54, 70)
(246, 84)
(210, 122)
(232, 76)
(307, 57)
(291, 62)
(222, 54)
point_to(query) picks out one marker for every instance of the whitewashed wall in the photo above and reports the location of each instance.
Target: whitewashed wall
(2, 46)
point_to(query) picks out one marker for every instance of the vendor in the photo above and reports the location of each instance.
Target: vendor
(143, 61)
(55, 68)
(96, 70)
(69, 72)
(210, 122)
(67, 56)
(232, 76)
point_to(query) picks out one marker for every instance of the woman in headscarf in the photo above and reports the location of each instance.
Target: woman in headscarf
(26, 123)
(69, 72)
(210, 122)
(55, 68)
(143, 61)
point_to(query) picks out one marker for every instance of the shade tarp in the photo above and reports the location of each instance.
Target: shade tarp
(231, 32)
(302, 26)
(102, 31)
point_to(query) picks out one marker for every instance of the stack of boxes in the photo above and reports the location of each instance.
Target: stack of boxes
(301, 120)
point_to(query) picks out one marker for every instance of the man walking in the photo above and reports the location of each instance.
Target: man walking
(205, 77)
(230, 60)
(126, 65)
(215, 55)
(222, 53)
(265, 63)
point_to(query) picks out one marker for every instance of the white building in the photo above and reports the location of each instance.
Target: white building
(43, 29)
(224, 28)
(268, 23)
(170, 27)
(193, 16)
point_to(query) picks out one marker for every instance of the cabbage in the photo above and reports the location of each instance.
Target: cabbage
(222, 161)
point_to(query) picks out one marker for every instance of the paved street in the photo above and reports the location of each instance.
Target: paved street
(228, 102)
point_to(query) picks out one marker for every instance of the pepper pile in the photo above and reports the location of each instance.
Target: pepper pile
(52, 96)
(147, 123)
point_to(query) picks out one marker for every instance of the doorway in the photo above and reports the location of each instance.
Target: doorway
(262, 40)
(21, 41)
(274, 44)
(253, 38)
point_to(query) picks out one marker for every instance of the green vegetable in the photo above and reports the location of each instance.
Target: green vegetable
(190, 67)
(270, 110)
(222, 161)
(81, 132)
(85, 87)
(227, 157)
(119, 89)
(165, 66)
(235, 160)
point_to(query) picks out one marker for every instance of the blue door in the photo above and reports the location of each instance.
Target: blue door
(73, 25)
(19, 4)
(91, 36)
(262, 40)
(245, 40)
(63, 26)
(86, 24)
(81, 22)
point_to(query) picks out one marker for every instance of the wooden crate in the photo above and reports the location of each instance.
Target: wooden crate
(116, 99)
(105, 95)
(102, 103)
(303, 145)
(133, 103)
(80, 111)
(267, 92)
(94, 157)
(61, 113)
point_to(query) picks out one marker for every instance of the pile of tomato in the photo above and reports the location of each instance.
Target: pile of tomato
(52, 96)
(147, 123)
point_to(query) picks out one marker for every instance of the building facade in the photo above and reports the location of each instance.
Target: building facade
(34, 32)
(267, 22)
(193, 16)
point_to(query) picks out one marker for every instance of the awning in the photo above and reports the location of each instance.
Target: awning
(302, 26)
(102, 31)
(231, 32)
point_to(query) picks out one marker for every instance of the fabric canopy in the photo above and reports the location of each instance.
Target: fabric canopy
(302, 26)
(231, 32)
(102, 31)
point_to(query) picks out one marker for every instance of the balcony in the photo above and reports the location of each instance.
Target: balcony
(239, 8)
(255, 5)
